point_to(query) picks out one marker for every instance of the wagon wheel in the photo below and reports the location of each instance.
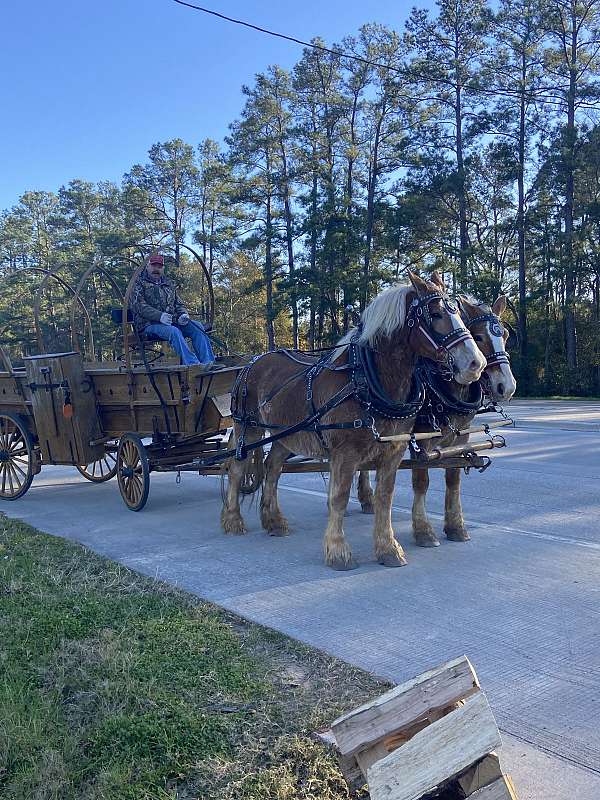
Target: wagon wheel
(101, 470)
(17, 457)
(253, 474)
(133, 471)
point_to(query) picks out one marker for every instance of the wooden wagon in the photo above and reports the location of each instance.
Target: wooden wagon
(131, 417)
(126, 418)
(99, 418)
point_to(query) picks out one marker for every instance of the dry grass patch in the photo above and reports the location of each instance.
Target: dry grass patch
(117, 687)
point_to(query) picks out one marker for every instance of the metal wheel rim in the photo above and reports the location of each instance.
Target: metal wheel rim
(16, 456)
(103, 469)
(132, 470)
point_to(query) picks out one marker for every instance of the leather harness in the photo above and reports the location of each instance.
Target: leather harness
(363, 386)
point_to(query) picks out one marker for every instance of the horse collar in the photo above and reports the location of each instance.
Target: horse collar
(371, 393)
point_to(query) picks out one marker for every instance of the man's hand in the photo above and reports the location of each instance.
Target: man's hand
(183, 319)
(166, 319)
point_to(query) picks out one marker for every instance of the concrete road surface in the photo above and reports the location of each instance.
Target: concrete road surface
(522, 599)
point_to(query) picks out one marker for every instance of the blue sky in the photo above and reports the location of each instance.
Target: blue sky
(88, 87)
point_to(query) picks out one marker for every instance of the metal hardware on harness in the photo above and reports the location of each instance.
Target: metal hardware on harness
(505, 416)
(374, 430)
(481, 463)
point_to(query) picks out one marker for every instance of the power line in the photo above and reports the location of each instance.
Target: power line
(496, 91)
(292, 38)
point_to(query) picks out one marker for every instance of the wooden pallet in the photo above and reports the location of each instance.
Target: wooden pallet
(433, 736)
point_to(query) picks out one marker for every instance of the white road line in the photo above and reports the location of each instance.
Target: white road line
(504, 528)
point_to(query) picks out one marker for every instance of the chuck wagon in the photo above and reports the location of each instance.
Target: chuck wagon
(141, 414)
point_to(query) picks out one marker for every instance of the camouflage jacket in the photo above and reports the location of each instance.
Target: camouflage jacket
(150, 299)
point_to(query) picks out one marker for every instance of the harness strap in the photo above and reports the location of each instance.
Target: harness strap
(338, 398)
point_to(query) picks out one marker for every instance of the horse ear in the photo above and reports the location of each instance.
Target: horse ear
(499, 306)
(418, 283)
(437, 279)
(470, 308)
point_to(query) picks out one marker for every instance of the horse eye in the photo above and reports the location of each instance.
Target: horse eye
(436, 315)
(478, 338)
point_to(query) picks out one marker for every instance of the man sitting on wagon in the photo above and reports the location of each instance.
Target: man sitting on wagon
(158, 310)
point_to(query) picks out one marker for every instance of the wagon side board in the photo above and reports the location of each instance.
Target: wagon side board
(192, 399)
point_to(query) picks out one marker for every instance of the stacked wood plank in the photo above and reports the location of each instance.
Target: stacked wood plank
(433, 736)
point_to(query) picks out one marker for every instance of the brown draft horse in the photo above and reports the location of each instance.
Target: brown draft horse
(399, 325)
(499, 384)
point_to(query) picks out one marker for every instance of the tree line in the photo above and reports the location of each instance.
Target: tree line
(466, 143)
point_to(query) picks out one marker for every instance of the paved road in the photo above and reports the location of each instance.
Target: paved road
(522, 599)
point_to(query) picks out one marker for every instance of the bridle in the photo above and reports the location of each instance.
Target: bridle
(419, 319)
(495, 329)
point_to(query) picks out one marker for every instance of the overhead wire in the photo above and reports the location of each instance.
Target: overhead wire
(547, 99)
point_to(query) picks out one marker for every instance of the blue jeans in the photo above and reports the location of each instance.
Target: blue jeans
(174, 335)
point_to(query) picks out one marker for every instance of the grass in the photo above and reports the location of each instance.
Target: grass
(117, 687)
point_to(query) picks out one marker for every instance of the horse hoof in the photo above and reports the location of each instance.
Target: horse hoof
(236, 530)
(275, 525)
(367, 508)
(235, 526)
(427, 540)
(457, 534)
(392, 560)
(341, 565)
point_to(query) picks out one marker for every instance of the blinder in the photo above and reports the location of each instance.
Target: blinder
(495, 328)
(419, 318)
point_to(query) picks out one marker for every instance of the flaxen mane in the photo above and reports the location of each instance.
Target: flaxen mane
(384, 314)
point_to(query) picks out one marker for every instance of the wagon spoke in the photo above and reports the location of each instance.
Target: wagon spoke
(10, 479)
(16, 468)
(131, 490)
(136, 489)
(15, 474)
(4, 470)
(104, 468)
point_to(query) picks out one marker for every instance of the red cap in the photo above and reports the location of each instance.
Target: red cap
(157, 259)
